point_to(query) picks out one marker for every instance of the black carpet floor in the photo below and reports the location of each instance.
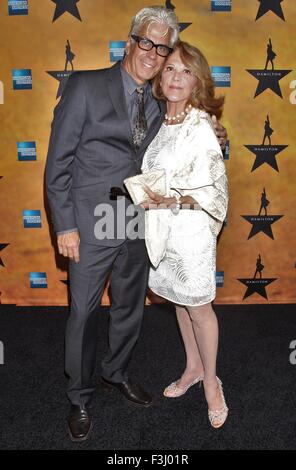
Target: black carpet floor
(258, 379)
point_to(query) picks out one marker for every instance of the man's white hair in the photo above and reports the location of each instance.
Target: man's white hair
(160, 15)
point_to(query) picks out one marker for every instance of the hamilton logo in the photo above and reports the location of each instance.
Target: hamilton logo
(62, 76)
(262, 223)
(266, 153)
(269, 79)
(63, 6)
(170, 6)
(257, 284)
(270, 5)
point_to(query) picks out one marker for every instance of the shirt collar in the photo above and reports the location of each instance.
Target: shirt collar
(129, 83)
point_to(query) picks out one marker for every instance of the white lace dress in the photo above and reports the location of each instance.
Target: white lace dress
(182, 247)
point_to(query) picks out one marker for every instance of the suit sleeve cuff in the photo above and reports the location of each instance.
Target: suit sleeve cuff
(75, 229)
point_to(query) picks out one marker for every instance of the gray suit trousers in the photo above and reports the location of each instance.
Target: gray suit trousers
(128, 265)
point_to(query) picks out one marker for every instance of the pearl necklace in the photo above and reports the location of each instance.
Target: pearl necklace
(179, 116)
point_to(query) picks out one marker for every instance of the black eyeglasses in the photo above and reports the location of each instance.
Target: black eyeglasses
(146, 45)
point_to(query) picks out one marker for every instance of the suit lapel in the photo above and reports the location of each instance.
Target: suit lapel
(116, 91)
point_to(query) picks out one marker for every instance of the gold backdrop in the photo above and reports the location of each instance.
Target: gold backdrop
(232, 39)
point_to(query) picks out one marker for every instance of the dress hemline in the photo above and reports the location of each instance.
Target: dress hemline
(186, 305)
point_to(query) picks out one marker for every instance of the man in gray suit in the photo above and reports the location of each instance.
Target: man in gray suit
(102, 126)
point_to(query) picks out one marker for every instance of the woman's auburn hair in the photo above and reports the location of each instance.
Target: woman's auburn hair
(203, 96)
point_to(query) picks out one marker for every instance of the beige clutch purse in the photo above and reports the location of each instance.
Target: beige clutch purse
(155, 180)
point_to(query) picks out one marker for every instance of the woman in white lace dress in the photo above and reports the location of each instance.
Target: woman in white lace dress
(182, 227)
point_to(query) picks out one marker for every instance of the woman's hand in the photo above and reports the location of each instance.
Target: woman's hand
(156, 201)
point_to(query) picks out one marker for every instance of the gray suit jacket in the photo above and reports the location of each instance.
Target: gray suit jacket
(91, 150)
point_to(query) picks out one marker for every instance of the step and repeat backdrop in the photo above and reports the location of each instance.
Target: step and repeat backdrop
(250, 45)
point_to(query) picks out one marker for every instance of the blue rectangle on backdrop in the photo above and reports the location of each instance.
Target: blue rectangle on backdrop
(32, 218)
(226, 151)
(219, 278)
(18, 7)
(22, 79)
(221, 76)
(26, 151)
(116, 49)
(221, 5)
(38, 280)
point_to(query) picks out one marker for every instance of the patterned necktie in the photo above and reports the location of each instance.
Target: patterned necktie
(139, 130)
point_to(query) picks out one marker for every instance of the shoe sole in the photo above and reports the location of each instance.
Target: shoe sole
(80, 439)
(112, 387)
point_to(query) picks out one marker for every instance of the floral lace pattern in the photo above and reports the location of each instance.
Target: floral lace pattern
(182, 247)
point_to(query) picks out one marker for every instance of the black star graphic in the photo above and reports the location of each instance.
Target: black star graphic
(270, 5)
(62, 77)
(66, 5)
(2, 246)
(261, 223)
(65, 281)
(169, 5)
(183, 26)
(265, 154)
(256, 285)
(269, 79)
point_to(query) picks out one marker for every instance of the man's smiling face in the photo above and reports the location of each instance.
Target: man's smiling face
(144, 65)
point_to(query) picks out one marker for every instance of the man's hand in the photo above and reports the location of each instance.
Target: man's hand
(68, 244)
(221, 132)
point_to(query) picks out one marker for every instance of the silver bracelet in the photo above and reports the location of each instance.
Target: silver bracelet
(175, 210)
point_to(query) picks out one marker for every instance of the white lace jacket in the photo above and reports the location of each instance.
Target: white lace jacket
(195, 167)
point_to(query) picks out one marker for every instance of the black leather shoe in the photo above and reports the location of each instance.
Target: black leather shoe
(132, 392)
(79, 423)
